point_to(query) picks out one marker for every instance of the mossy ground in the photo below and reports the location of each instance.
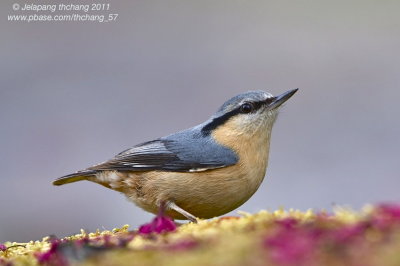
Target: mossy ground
(367, 237)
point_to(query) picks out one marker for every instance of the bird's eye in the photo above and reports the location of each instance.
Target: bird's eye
(246, 108)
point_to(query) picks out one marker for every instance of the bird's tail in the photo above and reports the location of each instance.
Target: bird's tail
(78, 176)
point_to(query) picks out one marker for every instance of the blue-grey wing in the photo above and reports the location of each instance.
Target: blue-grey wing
(180, 152)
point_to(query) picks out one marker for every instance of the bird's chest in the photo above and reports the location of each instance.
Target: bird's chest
(239, 182)
(252, 165)
(230, 187)
(252, 151)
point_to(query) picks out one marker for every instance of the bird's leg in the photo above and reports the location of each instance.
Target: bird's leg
(173, 206)
(162, 208)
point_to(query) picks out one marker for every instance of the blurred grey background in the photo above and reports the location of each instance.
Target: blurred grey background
(73, 94)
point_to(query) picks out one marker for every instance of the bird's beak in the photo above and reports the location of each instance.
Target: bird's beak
(280, 99)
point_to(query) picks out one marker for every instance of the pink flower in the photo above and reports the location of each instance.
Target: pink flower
(391, 210)
(386, 215)
(350, 232)
(287, 223)
(52, 256)
(291, 244)
(159, 224)
(3, 247)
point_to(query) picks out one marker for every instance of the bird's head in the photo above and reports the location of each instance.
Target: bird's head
(247, 114)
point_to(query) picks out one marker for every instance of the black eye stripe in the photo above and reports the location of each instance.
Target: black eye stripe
(220, 120)
(257, 105)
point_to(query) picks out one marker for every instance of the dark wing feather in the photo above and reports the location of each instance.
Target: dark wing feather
(146, 156)
(170, 154)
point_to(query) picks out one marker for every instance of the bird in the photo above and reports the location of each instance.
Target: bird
(201, 172)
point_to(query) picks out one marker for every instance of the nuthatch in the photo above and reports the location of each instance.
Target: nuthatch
(204, 171)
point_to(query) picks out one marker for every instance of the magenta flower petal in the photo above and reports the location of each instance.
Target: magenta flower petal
(159, 224)
(291, 245)
(391, 210)
(350, 232)
(146, 228)
(287, 222)
(52, 256)
(46, 256)
(3, 247)
(385, 216)
(165, 224)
